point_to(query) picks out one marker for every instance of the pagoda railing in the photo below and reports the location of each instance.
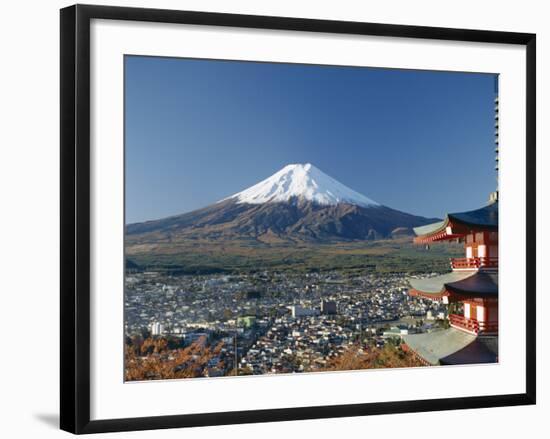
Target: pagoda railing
(473, 325)
(474, 263)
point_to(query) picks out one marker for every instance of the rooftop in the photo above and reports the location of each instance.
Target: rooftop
(451, 346)
(463, 283)
(457, 224)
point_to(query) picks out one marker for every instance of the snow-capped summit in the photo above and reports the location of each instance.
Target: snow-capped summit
(303, 181)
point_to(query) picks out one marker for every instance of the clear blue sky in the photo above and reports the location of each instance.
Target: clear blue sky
(198, 131)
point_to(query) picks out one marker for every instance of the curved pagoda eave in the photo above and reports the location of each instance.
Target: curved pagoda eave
(452, 346)
(456, 225)
(478, 285)
(458, 284)
(434, 287)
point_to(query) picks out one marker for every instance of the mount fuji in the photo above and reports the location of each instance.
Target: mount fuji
(297, 203)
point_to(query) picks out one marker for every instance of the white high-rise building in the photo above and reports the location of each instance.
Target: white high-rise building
(157, 328)
(299, 311)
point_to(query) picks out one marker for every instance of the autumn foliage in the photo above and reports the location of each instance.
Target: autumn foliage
(159, 359)
(152, 359)
(370, 357)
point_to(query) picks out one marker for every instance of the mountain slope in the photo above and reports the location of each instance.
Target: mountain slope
(298, 203)
(295, 219)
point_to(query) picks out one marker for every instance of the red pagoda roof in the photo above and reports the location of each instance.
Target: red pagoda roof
(456, 225)
(457, 284)
(480, 284)
(452, 346)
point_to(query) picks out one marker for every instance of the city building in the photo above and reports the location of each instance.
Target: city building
(299, 311)
(246, 321)
(395, 332)
(328, 307)
(157, 328)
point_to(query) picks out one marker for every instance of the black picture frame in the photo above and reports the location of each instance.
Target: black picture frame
(75, 217)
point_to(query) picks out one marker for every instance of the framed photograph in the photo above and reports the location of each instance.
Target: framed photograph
(268, 218)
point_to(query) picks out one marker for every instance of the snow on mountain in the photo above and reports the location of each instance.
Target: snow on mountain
(303, 181)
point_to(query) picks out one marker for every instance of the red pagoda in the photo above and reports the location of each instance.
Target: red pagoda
(470, 289)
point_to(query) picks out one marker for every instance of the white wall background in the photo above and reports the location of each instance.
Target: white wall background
(29, 206)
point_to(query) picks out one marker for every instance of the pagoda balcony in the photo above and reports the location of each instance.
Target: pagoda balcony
(474, 263)
(473, 326)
